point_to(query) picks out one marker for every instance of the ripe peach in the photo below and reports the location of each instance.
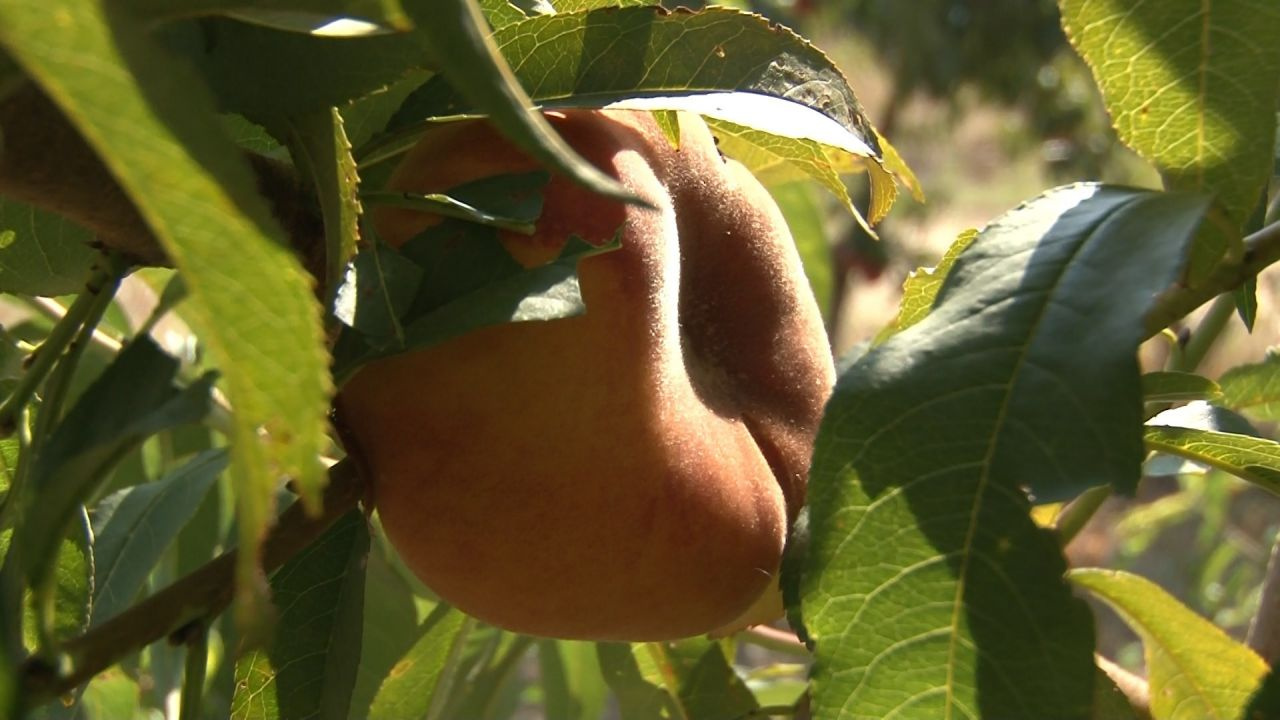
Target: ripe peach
(628, 474)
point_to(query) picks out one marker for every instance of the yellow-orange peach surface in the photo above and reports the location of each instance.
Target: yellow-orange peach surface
(627, 474)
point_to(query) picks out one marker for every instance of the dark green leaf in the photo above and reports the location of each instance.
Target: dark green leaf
(476, 68)
(310, 669)
(379, 289)
(505, 202)
(1265, 702)
(309, 73)
(639, 697)
(1178, 387)
(918, 521)
(132, 529)
(41, 253)
(368, 115)
(1194, 669)
(391, 627)
(134, 398)
(501, 12)
(543, 292)
(1247, 303)
(419, 684)
(297, 15)
(710, 688)
(152, 123)
(1254, 389)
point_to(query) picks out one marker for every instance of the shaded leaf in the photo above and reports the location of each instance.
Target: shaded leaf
(639, 697)
(310, 669)
(1178, 387)
(572, 683)
(133, 528)
(318, 145)
(309, 73)
(918, 521)
(543, 292)
(41, 253)
(477, 70)
(391, 627)
(420, 682)
(132, 399)
(299, 15)
(1194, 669)
(505, 202)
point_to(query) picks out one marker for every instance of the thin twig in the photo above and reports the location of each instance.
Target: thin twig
(197, 597)
(1072, 518)
(770, 638)
(1261, 249)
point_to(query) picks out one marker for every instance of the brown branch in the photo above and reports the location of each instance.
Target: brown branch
(45, 162)
(1261, 249)
(196, 598)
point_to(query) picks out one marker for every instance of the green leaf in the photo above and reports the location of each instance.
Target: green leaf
(318, 144)
(710, 688)
(391, 627)
(1191, 86)
(72, 576)
(419, 684)
(133, 398)
(152, 124)
(640, 696)
(500, 12)
(922, 286)
(490, 294)
(1249, 458)
(1178, 387)
(1254, 389)
(572, 683)
(808, 226)
(298, 15)
(368, 115)
(1194, 669)
(133, 528)
(752, 77)
(310, 668)
(41, 253)
(476, 68)
(505, 202)
(309, 73)
(918, 521)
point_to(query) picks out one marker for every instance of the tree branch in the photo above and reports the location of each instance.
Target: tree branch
(196, 598)
(1261, 249)
(44, 162)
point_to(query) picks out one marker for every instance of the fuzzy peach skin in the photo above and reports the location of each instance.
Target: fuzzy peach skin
(628, 474)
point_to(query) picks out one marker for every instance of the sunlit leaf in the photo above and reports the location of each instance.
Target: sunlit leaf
(1254, 389)
(419, 683)
(918, 518)
(922, 285)
(1194, 669)
(1251, 458)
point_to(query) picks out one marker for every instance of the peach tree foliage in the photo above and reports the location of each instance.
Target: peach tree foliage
(240, 145)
